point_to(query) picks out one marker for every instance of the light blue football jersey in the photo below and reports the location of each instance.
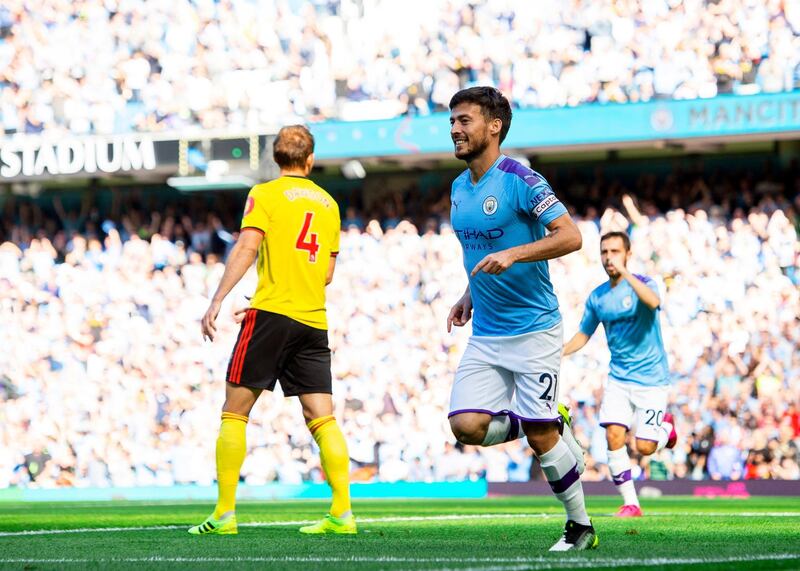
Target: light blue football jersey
(633, 332)
(509, 206)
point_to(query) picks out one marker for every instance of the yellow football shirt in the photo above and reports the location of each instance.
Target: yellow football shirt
(300, 223)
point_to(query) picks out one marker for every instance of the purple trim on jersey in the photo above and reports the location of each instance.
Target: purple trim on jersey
(607, 424)
(523, 419)
(563, 484)
(480, 410)
(621, 478)
(646, 281)
(509, 165)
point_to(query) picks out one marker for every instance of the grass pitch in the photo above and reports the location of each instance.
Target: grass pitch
(497, 534)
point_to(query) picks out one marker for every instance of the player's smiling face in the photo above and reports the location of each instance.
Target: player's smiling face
(469, 131)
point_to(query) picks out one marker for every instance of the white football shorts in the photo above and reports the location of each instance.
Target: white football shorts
(627, 404)
(515, 375)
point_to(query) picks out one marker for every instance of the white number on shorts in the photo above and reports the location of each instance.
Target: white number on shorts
(657, 415)
(552, 384)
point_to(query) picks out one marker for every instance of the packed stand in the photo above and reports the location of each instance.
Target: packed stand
(250, 64)
(105, 380)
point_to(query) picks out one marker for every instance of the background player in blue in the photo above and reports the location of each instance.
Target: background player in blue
(508, 375)
(627, 305)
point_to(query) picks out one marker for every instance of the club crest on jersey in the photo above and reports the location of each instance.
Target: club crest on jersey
(627, 302)
(490, 205)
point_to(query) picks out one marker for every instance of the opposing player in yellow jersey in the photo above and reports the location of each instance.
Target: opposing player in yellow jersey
(291, 226)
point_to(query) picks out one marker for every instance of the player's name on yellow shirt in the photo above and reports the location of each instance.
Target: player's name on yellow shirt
(296, 193)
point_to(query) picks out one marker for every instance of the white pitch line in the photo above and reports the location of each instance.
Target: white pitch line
(90, 530)
(552, 562)
(724, 514)
(390, 519)
(397, 519)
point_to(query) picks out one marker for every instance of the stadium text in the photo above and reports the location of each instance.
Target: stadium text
(35, 157)
(723, 114)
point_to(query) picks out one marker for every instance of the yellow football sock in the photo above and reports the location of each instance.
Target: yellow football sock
(231, 448)
(335, 461)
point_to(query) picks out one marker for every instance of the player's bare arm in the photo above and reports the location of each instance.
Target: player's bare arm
(461, 312)
(575, 344)
(564, 238)
(644, 293)
(242, 256)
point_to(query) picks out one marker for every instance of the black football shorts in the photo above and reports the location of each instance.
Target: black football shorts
(272, 347)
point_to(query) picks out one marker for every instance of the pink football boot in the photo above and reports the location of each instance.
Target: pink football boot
(673, 436)
(629, 510)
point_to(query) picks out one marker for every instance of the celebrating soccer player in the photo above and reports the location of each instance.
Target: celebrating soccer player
(627, 305)
(292, 226)
(500, 210)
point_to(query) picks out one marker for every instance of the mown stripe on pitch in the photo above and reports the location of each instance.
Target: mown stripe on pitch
(557, 562)
(391, 519)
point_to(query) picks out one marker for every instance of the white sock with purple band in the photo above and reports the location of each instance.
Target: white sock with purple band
(505, 428)
(502, 428)
(561, 470)
(619, 464)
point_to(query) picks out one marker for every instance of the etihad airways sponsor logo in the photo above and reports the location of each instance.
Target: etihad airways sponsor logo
(467, 234)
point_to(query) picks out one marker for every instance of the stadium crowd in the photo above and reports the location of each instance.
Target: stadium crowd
(246, 64)
(104, 379)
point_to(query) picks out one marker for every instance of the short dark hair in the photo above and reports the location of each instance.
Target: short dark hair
(292, 146)
(626, 241)
(492, 102)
